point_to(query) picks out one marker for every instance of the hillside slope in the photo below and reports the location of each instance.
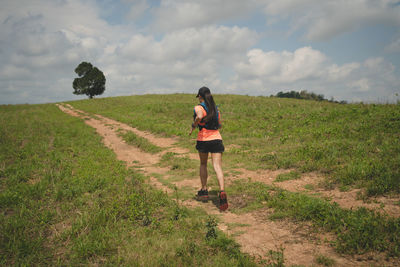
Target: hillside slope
(308, 183)
(353, 144)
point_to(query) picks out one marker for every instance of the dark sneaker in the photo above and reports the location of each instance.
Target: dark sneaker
(202, 194)
(223, 201)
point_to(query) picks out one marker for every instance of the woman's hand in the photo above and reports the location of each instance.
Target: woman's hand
(194, 124)
(193, 127)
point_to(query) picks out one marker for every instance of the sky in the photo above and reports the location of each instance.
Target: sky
(345, 50)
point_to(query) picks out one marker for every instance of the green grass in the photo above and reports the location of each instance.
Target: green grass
(140, 142)
(175, 162)
(309, 187)
(293, 175)
(352, 144)
(66, 200)
(357, 231)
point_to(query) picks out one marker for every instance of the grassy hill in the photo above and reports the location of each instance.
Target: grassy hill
(66, 200)
(352, 144)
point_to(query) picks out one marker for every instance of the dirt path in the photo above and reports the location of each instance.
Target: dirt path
(313, 181)
(256, 234)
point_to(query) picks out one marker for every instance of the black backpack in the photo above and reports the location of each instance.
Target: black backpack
(212, 124)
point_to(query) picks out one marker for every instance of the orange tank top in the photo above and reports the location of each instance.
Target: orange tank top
(206, 134)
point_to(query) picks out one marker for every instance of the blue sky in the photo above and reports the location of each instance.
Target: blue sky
(348, 50)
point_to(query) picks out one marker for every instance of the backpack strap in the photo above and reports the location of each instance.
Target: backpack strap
(207, 124)
(203, 104)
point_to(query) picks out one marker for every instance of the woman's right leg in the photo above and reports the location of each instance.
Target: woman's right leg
(203, 170)
(217, 164)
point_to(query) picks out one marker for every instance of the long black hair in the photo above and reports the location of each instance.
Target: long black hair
(212, 110)
(205, 93)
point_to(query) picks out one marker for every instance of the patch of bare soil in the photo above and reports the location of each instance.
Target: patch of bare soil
(154, 182)
(193, 183)
(350, 200)
(314, 181)
(256, 234)
(133, 156)
(262, 176)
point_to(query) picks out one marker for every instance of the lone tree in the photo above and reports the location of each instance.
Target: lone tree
(91, 80)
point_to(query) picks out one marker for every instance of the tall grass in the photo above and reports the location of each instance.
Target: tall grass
(357, 231)
(66, 200)
(351, 144)
(140, 142)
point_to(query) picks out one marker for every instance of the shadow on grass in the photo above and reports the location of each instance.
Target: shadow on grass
(212, 197)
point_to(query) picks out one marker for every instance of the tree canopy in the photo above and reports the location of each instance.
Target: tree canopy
(91, 80)
(306, 95)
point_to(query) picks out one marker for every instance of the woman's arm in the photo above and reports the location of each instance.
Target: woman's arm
(199, 116)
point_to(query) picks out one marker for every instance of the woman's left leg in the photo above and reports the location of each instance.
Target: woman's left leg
(217, 164)
(203, 170)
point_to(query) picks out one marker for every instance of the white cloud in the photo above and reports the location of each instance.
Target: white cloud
(181, 60)
(336, 73)
(179, 14)
(41, 43)
(284, 7)
(362, 85)
(137, 8)
(323, 20)
(393, 47)
(309, 69)
(13, 72)
(284, 67)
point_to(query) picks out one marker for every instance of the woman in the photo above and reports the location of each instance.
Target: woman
(207, 118)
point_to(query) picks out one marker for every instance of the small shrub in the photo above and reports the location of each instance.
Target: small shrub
(276, 257)
(325, 261)
(211, 228)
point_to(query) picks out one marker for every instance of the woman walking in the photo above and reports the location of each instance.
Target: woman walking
(207, 118)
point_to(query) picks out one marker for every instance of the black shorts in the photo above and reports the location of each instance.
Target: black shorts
(213, 146)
